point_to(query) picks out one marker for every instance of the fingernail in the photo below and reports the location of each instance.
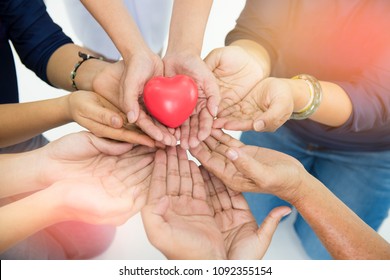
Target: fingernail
(131, 117)
(259, 125)
(116, 122)
(287, 213)
(231, 154)
(215, 111)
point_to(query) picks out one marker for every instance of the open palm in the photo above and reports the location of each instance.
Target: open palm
(178, 218)
(86, 155)
(242, 237)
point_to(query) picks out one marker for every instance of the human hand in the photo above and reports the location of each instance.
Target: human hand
(108, 199)
(103, 119)
(178, 217)
(198, 126)
(248, 168)
(265, 108)
(86, 155)
(236, 71)
(242, 237)
(109, 84)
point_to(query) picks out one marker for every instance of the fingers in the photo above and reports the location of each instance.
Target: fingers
(173, 176)
(109, 147)
(205, 124)
(185, 134)
(248, 166)
(130, 89)
(211, 90)
(213, 198)
(194, 128)
(158, 184)
(269, 225)
(274, 117)
(221, 193)
(199, 189)
(185, 173)
(99, 113)
(156, 131)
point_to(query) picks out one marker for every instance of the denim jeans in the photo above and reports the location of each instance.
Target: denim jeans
(360, 179)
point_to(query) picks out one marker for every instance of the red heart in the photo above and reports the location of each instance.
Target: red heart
(170, 100)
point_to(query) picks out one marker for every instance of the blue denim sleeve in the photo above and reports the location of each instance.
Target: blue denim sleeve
(32, 32)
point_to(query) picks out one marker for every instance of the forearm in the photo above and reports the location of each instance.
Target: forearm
(188, 25)
(340, 230)
(258, 52)
(63, 62)
(335, 107)
(20, 122)
(115, 19)
(25, 217)
(21, 173)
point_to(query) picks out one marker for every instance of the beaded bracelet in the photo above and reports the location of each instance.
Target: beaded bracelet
(84, 57)
(315, 97)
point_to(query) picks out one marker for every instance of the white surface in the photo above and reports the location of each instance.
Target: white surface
(131, 241)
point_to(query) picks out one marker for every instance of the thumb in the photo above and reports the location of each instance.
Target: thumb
(130, 91)
(269, 225)
(274, 117)
(109, 147)
(247, 165)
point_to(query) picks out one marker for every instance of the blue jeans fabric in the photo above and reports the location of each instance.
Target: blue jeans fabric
(360, 179)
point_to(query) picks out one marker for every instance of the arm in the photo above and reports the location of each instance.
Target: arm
(341, 231)
(183, 56)
(61, 159)
(100, 200)
(188, 24)
(25, 217)
(249, 168)
(141, 63)
(22, 121)
(190, 214)
(262, 103)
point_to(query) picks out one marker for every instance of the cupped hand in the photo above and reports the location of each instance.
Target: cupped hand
(86, 155)
(198, 126)
(112, 84)
(236, 71)
(178, 217)
(248, 168)
(265, 108)
(242, 237)
(101, 200)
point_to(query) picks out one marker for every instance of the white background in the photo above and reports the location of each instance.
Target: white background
(131, 241)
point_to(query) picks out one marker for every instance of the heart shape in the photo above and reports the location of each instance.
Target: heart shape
(171, 100)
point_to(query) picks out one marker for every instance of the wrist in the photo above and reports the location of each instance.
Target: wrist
(188, 48)
(300, 93)
(301, 191)
(85, 71)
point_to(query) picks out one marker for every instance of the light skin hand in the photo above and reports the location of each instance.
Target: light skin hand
(103, 119)
(265, 108)
(198, 126)
(259, 169)
(236, 71)
(242, 237)
(108, 83)
(91, 157)
(108, 199)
